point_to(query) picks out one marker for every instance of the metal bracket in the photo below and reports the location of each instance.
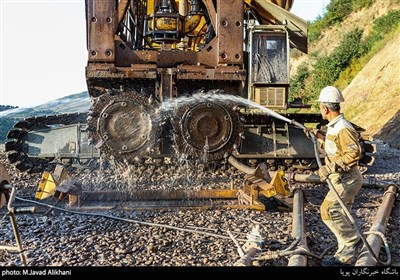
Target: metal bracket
(256, 185)
(59, 184)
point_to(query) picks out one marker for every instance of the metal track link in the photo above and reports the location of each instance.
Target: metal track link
(15, 149)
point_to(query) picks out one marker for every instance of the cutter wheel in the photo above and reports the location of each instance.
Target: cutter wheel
(207, 130)
(122, 125)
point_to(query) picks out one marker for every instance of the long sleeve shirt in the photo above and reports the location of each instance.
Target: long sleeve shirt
(341, 143)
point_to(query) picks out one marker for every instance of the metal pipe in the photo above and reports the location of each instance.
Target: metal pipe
(240, 166)
(183, 7)
(298, 228)
(308, 178)
(17, 238)
(254, 244)
(302, 178)
(14, 224)
(372, 182)
(305, 178)
(379, 225)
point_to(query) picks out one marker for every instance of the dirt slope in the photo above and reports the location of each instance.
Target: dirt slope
(363, 19)
(331, 37)
(373, 97)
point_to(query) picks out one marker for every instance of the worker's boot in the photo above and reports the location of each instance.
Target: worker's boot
(349, 254)
(333, 261)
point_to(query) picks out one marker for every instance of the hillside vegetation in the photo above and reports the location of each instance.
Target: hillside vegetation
(6, 107)
(357, 50)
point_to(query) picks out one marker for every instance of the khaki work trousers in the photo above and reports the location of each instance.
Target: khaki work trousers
(347, 184)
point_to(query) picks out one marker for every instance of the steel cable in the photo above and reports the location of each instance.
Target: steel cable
(126, 220)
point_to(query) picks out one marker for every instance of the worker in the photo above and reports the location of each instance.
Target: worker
(343, 151)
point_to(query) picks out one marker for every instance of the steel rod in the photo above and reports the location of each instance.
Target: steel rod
(379, 225)
(141, 195)
(298, 228)
(17, 238)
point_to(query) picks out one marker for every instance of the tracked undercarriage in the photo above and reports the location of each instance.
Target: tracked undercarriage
(135, 131)
(34, 140)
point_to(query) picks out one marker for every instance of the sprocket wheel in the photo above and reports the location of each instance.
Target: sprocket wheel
(207, 130)
(123, 125)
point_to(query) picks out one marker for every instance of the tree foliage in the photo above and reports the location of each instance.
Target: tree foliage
(345, 61)
(328, 68)
(6, 107)
(336, 12)
(297, 83)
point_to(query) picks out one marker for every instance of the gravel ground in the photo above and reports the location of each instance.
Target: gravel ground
(63, 239)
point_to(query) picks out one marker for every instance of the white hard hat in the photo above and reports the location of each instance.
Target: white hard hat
(330, 94)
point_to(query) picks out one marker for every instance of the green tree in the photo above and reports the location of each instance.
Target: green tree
(337, 11)
(328, 68)
(297, 83)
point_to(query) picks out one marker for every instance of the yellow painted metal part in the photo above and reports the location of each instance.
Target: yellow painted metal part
(182, 199)
(150, 7)
(47, 186)
(160, 207)
(154, 195)
(268, 192)
(166, 24)
(192, 22)
(195, 26)
(280, 183)
(254, 186)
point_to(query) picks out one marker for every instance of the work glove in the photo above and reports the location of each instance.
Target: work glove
(325, 170)
(308, 131)
(341, 166)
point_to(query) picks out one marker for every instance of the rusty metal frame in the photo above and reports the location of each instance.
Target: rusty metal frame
(247, 198)
(158, 199)
(118, 60)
